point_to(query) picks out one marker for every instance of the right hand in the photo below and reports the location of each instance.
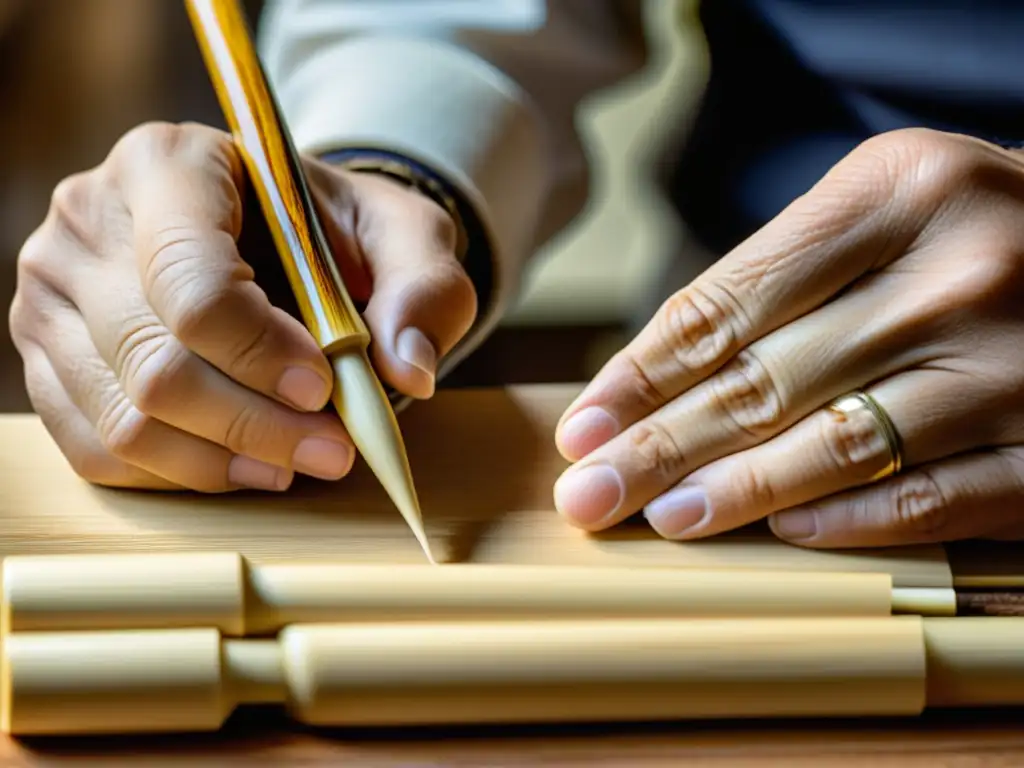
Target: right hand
(154, 359)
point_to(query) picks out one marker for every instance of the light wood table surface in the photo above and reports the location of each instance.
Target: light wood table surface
(484, 462)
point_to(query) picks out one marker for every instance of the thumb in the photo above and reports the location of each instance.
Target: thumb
(421, 301)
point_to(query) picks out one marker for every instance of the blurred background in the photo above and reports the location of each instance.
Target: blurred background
(76, 74)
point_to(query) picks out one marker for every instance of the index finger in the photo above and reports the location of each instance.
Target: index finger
(824, 241)
(182, 187)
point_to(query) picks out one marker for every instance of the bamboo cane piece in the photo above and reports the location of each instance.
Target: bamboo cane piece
(498, 672)
(925, 601)
(223, 590)
(975, 661)
(123, 681)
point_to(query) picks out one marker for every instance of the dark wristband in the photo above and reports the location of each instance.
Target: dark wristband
(410, 174)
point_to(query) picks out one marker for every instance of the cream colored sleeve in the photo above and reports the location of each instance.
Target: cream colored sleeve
(482, 92)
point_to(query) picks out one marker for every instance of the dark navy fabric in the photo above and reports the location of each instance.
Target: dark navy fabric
(797, 84)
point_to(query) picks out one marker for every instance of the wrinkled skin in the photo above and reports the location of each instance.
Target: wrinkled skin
(156, 361)
(901, 273)
(154, 358)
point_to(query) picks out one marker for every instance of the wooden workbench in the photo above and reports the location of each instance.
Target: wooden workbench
(484, 462)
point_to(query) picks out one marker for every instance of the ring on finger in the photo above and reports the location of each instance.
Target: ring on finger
(861, 401)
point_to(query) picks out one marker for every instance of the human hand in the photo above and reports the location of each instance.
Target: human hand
(900, 274)
(155, 360)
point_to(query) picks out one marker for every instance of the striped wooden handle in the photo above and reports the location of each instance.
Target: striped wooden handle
(276, 172)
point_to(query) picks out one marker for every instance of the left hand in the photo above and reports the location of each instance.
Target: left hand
(901, 275)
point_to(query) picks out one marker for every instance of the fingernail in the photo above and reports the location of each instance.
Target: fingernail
(322, 458)
(795, 525)
(415, 349)
(251, 473)
(677, 511)
(589, 495)
(303, 388)
(587, 430)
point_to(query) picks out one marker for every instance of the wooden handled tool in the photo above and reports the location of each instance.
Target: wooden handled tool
(222, 590)
(506, 672)
(275, 170)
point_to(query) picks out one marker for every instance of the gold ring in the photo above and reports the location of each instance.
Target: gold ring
(856, 401)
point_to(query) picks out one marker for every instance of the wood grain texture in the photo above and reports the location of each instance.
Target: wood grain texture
(485, 461)
(275, 171)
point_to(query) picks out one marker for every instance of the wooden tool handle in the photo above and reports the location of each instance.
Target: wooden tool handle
(276, 172)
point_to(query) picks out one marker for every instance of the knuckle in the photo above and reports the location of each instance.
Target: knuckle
(887, 156)
(252, 351)
(753, 486)
(75, 213)
(904, 167)
(200, 144)
(31, 313)
(192, 311)
(151, 137)
(873, 166)
(993, 281)
(907, 143)
(193, 289)
(189, 141)
(205, 134)
(18, 320)
(246, 431)
(34, 260)
(919, 505)
(985, 288)
(748, 396)
(920, 164)
(642, 387)
(16, 315)
(655, 451)
(71, 192)
(697, 329)
(189, 145)
(152, 367)
(123, 428)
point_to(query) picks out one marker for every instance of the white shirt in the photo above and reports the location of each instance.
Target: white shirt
(482, 91)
